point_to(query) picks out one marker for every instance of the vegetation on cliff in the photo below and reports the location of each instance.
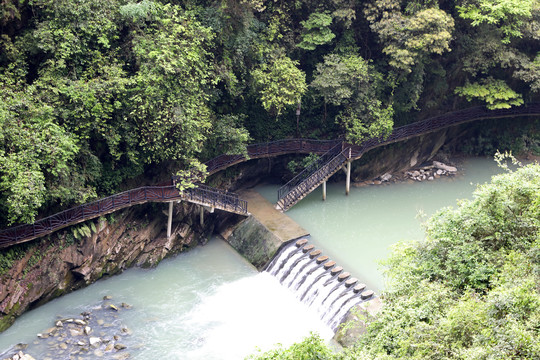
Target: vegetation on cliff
(470, 290)
(96, 93)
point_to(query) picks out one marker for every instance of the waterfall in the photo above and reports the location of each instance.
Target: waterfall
(317, 281)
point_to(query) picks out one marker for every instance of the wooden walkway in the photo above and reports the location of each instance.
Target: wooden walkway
(202, 195)
(335, 153)
(331, 161)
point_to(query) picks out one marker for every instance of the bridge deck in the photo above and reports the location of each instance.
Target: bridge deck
(263, 210)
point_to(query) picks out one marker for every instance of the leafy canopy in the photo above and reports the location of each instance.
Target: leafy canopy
(495, 93)
(280, 84)
(509, 16)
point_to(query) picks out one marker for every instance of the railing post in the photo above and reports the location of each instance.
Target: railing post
(169, 221)
(348, 182)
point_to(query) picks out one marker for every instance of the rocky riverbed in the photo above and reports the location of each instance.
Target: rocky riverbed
(98, 332)
(428, 172)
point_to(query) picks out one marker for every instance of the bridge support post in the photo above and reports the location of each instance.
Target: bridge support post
(201, 215)
(324, 191)
(348, 181)
(169, 221)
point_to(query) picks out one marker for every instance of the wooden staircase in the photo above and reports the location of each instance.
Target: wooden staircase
(312, 180)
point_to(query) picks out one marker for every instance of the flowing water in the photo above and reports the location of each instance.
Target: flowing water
(208, 303)
(357, 230)
(211, 304)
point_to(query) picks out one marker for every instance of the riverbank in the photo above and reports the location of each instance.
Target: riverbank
(61, 263)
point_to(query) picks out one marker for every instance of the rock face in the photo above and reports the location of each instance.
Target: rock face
(135, 236)
(399, 156)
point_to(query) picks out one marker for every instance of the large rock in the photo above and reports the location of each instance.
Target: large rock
(440, 165)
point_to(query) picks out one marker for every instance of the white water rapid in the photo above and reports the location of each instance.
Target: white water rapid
(317, 282)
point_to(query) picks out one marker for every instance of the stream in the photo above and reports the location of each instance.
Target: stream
(210, 303)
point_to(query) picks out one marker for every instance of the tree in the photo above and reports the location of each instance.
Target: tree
(470, 290)
(409, 38)
(35, 156)
(349, 82)
(316, 31)
(508, 16)
(280, 83)
(495, 93)
(169, 99)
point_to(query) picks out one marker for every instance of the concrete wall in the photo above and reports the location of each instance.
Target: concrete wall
(253, 241)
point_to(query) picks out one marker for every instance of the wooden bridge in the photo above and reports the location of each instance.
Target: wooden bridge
(203, 195)
(342, 154)
(335, 155)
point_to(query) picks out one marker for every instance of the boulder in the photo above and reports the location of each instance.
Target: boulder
(94, 341)
(440, 165)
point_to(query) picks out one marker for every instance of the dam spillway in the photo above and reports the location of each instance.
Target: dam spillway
(317, 281)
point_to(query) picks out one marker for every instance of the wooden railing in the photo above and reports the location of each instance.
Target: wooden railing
(202, 194)
(313, 179)
(230, 202)
(303, 183)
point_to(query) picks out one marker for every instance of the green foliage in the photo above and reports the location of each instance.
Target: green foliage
(170, 101)
(311, 348)
(95, 93)
(229, 136)
(138, 11)
(9, 256)
(294, 166)
(348, 81)
(470, 289)
(508, 16)
(280, 84)
(186, 178)
(35, 154)
(316, 31)
(80, 231)
(495, 93)
(409, 38)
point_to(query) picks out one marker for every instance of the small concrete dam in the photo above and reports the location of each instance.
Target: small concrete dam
(318, 281)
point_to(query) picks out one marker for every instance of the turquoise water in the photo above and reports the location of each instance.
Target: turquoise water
(210, 303)
(357, 230)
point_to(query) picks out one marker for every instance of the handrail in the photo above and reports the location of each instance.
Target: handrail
(440, 122)
(400, 134)
(315, 178)
(286, 146)
(270, 149)
(45, 226)
(140, 195)
(304, 174)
